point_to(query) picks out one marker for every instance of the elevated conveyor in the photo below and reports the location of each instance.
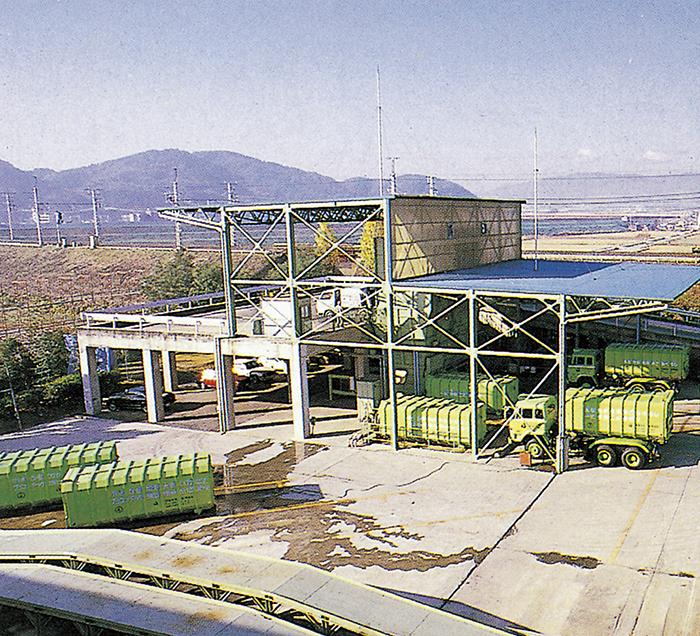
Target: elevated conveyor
(284, 590)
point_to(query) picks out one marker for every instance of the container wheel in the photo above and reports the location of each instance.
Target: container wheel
(633, 458)
(605, 455)
(535, 448)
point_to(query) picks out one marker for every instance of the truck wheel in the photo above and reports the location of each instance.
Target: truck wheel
(633, 458)
(587, 384)
(535, 448)
(636, 388)
(605, 455)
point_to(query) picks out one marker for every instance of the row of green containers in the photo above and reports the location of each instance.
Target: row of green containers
(119, 491)
(495, 392)
(33, 477)
(611, 413)
(429, 419)
(668, 362)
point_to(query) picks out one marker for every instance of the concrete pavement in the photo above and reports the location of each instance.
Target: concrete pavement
(591, 551)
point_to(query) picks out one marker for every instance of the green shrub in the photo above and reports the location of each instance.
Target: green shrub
(66, 390)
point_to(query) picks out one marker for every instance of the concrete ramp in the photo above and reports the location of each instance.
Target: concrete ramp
(160, 571)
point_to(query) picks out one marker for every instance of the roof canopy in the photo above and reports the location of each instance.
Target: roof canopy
(648, 281)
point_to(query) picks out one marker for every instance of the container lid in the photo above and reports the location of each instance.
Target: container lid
(187, 464)
(68, 480)
(107, 452)
(74, 455)
(103, 474)
(138, 472)
(121, 472)
(84, 479)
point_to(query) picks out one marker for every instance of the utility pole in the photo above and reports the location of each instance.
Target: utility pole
(432, 190)
(59, 220)
(36, 214)
(9, 214)
(232, 195)
(176, 202)
(95, 220)
(394, 183)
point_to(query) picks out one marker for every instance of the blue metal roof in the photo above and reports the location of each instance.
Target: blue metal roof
(645, 281)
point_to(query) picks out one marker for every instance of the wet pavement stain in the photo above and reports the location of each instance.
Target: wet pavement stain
(322, 535)
(239, 471)
(553, 558)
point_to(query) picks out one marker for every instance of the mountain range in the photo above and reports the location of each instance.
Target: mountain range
(143, 182)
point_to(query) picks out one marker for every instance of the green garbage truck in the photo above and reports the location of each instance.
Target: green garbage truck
(609, 425)
(637, 367)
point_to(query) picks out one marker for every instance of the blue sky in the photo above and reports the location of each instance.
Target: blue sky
(611, 87)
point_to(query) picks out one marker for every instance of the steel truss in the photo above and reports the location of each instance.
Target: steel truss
(406, 320)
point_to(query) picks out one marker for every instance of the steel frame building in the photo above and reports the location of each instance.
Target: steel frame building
(443, 286)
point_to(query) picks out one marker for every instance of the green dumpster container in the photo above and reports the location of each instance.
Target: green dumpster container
(431, 420)
(120, 491)
(33, 477)
(455, 387)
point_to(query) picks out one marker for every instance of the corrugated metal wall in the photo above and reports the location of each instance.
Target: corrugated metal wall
(432, 235)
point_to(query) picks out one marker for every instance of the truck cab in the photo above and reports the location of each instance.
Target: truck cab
(533, 422)
(584, 368)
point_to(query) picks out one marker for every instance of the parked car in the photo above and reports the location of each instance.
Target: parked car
(134, 399)
(248, 375)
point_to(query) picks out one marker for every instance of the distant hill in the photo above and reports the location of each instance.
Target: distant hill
(143, 181)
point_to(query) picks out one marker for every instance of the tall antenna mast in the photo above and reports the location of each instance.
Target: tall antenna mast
(40, 242)
(535, 175)
(379, 125)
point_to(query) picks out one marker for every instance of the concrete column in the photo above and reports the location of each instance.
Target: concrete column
(299, 383)
(91, 382)
(153, 379)
(169, 371)
(225, 388)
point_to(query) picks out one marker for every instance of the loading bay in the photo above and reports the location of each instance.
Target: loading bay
(588, 551)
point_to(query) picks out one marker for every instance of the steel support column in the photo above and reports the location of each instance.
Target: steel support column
(562, 450)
